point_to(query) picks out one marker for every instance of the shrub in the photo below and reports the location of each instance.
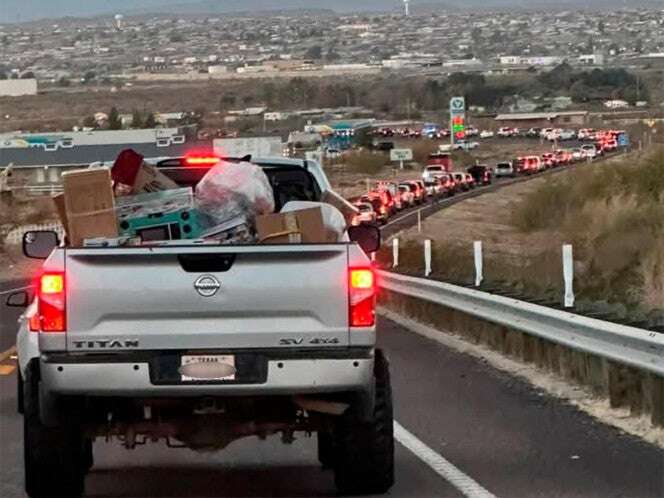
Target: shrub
(365, 162)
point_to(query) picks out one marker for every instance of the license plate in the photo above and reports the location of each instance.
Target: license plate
(207, 368)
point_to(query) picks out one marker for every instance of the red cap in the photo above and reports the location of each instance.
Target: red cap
(125, 168)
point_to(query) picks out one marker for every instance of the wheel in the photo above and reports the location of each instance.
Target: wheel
(53, 456)
(88, 455)
(325, 449)
(19, 393)
(364, 450)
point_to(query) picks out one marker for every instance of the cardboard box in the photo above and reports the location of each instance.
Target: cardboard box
(59, 201)
(295, 227)
(131, 175)
(150, 179)
(89, 205)
(346, 208)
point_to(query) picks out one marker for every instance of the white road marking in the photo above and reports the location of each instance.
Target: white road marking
(7, 354)
(8, 291)
(443, 467)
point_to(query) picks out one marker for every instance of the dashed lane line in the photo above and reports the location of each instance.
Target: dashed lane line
(7, 354)
(7, 369)
(465, 484)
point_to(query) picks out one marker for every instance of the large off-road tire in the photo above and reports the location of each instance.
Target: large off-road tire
(53, 456)
(325, 449)
(364, 450)
(19, 392)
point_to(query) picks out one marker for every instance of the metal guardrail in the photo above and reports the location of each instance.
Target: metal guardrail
(638, 348)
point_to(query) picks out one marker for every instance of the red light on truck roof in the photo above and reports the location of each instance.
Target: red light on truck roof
(201, 156)
(201, 160)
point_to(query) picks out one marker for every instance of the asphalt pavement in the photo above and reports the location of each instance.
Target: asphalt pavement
(464, 428)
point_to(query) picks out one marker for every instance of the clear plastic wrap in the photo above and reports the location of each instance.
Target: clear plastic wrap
(233, 189)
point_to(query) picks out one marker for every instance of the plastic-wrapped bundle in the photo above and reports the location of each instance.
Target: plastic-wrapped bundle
(233, 189)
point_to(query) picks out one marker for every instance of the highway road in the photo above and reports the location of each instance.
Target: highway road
(464, 429)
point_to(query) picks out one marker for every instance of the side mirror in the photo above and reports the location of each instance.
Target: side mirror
(366, 236)
(39, 244)
(20, 299)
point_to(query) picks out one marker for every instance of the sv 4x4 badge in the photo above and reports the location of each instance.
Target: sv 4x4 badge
(316, 341)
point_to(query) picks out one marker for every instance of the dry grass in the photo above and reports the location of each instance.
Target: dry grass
(614, 217)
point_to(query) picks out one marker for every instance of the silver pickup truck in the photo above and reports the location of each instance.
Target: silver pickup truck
(199, 345)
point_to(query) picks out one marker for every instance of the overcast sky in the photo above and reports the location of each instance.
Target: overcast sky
(27, 10)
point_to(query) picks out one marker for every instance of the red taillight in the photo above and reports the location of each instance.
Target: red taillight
(33, 321)
(362, 297)
(51, 302)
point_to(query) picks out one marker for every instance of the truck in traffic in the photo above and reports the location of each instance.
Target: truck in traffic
(198, 345)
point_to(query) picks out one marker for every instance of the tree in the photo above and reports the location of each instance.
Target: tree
(64, 82)
(600, 26)
(137, 119)
(150, 121)
(114, 121)
(28, 75)
(3, 75)
(89, 76)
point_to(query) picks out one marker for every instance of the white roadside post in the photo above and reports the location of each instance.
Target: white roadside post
(427, 257)
(373, 256)
(368, 185)
(419, 221)
(477, 246)
(395, 252)
(568, 275)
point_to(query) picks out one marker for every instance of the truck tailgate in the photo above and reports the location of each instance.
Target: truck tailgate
(207, 297)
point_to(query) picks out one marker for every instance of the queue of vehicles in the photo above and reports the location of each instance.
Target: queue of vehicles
(439, 179)
(387, 198)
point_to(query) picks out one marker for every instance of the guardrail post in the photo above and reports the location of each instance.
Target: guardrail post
(568, 275)
(427, 257)
(395, 252)
(477, 247)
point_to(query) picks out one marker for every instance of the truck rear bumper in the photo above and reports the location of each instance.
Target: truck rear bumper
(284, 376)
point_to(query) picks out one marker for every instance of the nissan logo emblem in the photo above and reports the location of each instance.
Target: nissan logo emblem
(207, 285)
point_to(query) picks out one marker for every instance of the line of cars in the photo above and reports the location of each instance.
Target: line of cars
(530, 164)
(387, 198)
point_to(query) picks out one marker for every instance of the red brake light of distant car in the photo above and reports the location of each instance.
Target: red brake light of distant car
(51, 302)
(361, 297)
